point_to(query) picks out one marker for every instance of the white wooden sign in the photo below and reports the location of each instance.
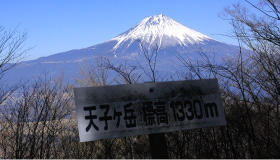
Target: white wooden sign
(136, 109)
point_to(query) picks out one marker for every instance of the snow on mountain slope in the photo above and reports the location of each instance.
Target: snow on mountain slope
(162, 30)
(171, 37)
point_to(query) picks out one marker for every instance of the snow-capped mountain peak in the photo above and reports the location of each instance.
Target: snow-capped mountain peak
(172, 37)
(162, 30)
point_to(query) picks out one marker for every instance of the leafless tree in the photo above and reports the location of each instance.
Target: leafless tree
(93, 75)
(250, 82)
(33, 119)
(11, 52)
(150, 54)
(128, 73)
(33, 123)
(11, 48)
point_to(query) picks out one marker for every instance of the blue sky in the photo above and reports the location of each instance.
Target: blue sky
(55, 26)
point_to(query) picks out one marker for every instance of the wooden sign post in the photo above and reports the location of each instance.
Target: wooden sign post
(158, 146)
(148, 108)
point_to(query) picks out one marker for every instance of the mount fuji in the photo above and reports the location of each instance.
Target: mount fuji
(171, 38)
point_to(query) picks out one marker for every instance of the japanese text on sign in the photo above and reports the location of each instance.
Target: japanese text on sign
(118, 117)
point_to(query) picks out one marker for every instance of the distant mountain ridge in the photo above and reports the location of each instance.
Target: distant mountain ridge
(172, 38)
